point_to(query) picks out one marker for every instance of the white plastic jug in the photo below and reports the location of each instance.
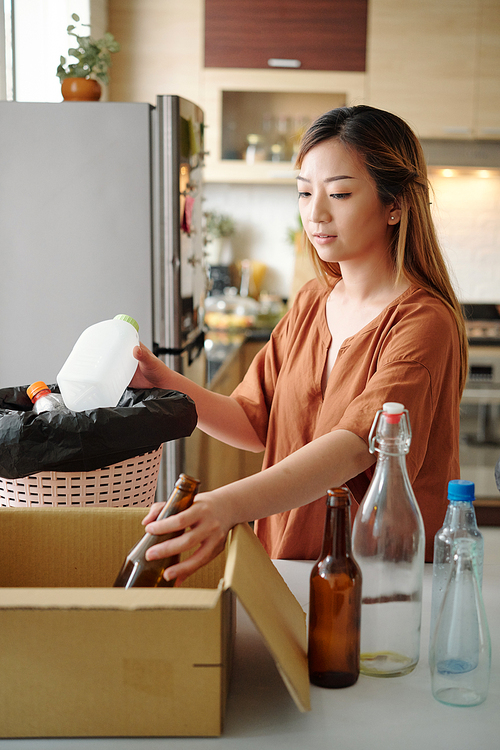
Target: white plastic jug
(100, 365)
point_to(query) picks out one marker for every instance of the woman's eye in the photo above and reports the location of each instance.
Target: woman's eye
(304, 195)
(340, 196)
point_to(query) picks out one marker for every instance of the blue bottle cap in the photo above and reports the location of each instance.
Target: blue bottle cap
(461, 491)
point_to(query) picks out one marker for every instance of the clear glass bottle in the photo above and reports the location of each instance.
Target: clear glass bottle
(43, 399)
(459, 521)
(460, 653)
(388, 543)
(335, 600)
(138, 572)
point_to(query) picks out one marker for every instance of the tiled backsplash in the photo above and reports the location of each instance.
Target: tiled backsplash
(262, 215)
(466, 208)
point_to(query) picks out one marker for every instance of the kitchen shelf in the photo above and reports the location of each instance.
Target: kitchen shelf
(277, 118)
(239, 103)
(238, 171)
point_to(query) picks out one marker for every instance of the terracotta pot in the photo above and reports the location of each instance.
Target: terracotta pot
(80, 90)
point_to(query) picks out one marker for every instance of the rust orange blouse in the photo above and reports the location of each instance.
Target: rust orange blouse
(409, 353)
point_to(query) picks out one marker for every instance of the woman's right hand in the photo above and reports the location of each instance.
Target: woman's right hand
(151, 372)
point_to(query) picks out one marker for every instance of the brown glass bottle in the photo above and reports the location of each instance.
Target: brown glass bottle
(335, 601)
(139, 572)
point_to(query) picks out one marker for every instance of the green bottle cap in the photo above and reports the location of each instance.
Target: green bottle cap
(129, 320)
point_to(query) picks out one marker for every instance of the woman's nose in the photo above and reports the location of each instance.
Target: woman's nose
(319, 210)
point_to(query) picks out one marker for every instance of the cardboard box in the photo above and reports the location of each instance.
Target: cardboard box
(79, 658)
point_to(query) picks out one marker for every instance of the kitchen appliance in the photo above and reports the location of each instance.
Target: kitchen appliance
(482, 322)
(100, 214)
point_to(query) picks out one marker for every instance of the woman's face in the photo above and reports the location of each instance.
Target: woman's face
(340, 210)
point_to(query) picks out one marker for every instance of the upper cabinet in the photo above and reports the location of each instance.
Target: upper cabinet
(161, 49)
(271, 67)
(268, 108)
(487, 122)
(437, 65)
(312, 35)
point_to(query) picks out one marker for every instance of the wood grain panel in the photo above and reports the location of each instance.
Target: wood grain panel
(421, 63)
(488, 74)
(322, 34)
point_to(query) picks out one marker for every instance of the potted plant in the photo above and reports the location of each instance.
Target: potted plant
(80, 80)
(218, 230)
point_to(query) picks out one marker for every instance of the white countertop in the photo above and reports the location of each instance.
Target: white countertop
(382, 714)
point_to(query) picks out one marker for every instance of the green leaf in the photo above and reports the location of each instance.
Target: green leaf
(93, 55)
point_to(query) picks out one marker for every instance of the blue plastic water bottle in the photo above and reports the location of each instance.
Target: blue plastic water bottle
(460, 653)
(460, 521)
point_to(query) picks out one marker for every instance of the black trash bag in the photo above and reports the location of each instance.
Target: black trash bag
(88, 440)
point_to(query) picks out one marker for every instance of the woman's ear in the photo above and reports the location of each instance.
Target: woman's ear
(394, 214)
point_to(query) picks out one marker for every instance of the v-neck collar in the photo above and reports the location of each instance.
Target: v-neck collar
(325, 331)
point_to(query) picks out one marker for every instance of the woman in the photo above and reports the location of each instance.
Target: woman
(381, 323)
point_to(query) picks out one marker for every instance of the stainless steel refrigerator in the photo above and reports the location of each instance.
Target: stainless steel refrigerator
(100, 214)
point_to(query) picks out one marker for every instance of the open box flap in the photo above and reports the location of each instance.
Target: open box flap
(272, 607)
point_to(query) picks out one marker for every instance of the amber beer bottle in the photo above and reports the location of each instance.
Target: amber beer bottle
(139, 572)
(335, 601)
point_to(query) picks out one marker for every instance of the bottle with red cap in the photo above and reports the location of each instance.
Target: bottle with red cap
(389, 545)
(43, 399)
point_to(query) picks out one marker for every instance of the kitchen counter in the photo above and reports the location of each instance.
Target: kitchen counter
(220, 346)
(384, 714)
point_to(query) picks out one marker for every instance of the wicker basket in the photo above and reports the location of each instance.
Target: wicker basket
(128, 483)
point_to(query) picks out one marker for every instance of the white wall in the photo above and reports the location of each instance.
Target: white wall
(262, 214)
(466, 208)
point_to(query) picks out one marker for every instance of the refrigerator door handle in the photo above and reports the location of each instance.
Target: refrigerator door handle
(192, 348)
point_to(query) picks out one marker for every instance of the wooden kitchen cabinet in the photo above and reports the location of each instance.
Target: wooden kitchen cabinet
(437, 65)
(161, 49)
(315, 35)
(236, 100)
(219, 463)
(237, 77)
(487, 116)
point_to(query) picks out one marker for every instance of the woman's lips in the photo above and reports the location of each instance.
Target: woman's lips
(324, 237)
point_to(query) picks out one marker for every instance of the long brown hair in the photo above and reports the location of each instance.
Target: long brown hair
(394, 159)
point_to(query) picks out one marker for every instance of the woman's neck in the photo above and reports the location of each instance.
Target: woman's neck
(370, 287)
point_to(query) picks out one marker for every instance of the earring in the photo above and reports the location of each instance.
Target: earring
(392, 217)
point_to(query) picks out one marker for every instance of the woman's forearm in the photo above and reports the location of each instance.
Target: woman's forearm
(219, 416)
(304, 476)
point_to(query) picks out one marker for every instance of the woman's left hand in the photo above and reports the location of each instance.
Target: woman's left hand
(205, 526)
